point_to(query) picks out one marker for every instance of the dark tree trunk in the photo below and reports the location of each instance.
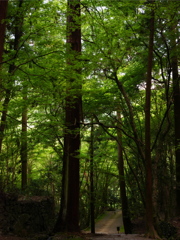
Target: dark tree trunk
(176, 95)
(92, 197)
(18, 34)
(24, 157)
(60, 224)
(3, 13)
(12, 67)
(4, 116)
(151, 232)
(73, 146)
(124, 201)
(68, 219)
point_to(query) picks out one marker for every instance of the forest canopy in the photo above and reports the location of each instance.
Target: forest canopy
(90, 107)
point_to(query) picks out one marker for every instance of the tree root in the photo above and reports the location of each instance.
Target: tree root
(152, 233)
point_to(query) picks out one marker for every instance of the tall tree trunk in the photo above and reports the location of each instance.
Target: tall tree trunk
(12, 67)
(151, 232)
(92, 196)
(4, 116)
(124, 201)
(3, 13)
(60, 224)
(176, 95)
(68, 219)
(24, 157)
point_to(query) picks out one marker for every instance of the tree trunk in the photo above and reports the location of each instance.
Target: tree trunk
(60, 225)
(68, 219)
(24, 157)
(3, 13)
(15, 45)
(124, 201)
(4, 116)
(92, 197)
(151, 232)
(176, 95)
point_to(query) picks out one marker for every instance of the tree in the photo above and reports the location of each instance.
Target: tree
(7, 86)
(3, 13)
(24, 148)
(124, 201)
(149, 185)
(92, 194)
(69, 213)
(176, 98)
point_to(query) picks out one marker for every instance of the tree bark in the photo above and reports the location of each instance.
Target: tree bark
(24, 157)
(92, 197)
(151, 232)
(176, 96)
(124, 201)
(12, 67)
(3, 13)
(68, 219)
(18, 34)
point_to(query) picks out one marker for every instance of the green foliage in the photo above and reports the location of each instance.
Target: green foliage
(114, 44)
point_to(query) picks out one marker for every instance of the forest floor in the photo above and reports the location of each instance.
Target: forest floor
(106, 229)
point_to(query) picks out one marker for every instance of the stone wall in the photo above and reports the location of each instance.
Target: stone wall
(24, 216)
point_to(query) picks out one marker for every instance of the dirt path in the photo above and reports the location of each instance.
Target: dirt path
(109, 223)
(118, 237)
(106, 228)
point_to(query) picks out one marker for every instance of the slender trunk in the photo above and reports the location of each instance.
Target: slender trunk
(60, 224)
(4, 116)
(3, 13)
(176, 94)
(7, 90)
(14, 46)
(24, 157)
(18, 34)
(151, 232)
(92, 197)
(124, 201)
